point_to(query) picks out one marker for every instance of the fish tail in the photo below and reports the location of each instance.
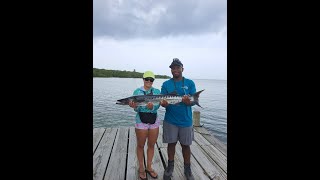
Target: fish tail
(196, 97)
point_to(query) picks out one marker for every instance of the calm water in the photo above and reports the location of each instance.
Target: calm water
(106, 113)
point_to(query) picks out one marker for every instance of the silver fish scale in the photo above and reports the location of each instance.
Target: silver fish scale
(169, 99)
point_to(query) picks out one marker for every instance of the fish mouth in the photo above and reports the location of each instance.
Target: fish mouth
(118, 102)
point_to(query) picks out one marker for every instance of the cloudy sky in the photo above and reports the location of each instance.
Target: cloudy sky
(147, 34)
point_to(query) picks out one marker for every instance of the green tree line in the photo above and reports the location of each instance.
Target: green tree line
(121, 74)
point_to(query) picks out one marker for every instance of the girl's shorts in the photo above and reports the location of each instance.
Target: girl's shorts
(148, 126)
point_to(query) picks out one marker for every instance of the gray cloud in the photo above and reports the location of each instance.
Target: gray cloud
(125, 19)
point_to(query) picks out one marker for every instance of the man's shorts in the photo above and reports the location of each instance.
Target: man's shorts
(173, 134)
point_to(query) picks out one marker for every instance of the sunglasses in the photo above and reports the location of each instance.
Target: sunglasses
(149, 79)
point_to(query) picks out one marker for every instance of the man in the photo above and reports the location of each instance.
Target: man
(177, 125)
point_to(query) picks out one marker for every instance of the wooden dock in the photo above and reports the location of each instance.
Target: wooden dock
(114, 155)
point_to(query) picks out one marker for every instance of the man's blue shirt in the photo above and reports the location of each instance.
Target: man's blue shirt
(180, 114)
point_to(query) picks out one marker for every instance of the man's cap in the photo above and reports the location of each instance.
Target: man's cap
(148, 74)
(176, 62)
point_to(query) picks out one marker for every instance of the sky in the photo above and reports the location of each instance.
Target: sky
(145, 35)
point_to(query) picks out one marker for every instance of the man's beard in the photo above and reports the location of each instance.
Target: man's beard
(177, 76)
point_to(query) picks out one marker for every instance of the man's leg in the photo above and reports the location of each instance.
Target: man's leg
(170, 136)
(171, 150)
(186, 152)
(186, 137)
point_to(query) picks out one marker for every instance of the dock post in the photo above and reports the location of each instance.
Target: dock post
(196, 118)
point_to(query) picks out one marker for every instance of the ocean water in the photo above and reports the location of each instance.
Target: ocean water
(106, 113)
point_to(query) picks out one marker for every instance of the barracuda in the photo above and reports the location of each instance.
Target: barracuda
(142, 100)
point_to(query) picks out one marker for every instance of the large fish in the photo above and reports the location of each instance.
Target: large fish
(142, 100)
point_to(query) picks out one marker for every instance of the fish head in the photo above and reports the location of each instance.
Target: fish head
(124, 101)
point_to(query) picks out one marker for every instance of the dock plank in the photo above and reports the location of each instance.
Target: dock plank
(212, 151)
(114, 155)
(117, 165)
(212, 170)
(97, 135)
(200, 139)
(102, 153)
(217, 156)
(213, 140)
(132, 162)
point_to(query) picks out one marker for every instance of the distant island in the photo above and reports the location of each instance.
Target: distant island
(122, 74)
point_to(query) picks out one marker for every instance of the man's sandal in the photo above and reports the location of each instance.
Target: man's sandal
(152, 171)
